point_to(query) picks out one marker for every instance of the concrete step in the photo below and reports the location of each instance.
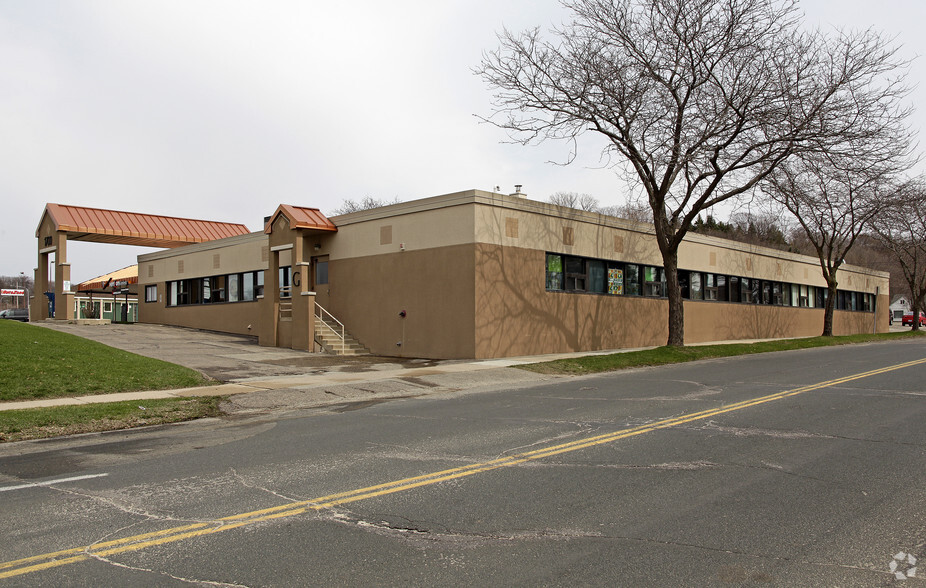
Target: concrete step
(326, 336)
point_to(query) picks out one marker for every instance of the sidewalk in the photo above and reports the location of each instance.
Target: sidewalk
(334, 387)
(259, 379)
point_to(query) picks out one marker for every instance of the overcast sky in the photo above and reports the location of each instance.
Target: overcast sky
(222, 110)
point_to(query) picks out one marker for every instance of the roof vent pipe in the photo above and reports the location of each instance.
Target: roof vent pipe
(517, 191)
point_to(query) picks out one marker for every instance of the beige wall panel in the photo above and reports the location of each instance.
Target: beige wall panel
(545, 232)
(416, 230)
(541, 226)
(233, 317)
(434, 287)
(236, 254)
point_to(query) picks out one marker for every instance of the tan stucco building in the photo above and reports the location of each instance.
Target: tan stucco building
(478, 275)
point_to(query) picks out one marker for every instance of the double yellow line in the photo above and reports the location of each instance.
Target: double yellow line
(136, 542)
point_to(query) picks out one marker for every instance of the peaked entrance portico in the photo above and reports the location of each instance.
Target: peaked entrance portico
(289, 314)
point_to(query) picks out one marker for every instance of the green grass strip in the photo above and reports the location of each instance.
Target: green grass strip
(41, 423)
(592, 364)
(36, 362)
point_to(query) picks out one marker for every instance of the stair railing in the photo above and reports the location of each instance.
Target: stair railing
(321, 313)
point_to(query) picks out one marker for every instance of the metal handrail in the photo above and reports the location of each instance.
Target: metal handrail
(321, 315)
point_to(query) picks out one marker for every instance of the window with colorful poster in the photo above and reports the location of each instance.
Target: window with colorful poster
(615, 281)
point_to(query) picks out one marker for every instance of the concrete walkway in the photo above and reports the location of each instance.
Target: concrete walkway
(259, 379)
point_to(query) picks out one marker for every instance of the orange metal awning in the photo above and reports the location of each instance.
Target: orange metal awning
(301, 217)
(132, 228)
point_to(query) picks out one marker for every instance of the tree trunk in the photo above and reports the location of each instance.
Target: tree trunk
(829, 308)
(676, 305)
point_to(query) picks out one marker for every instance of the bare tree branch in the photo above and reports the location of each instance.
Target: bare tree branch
(699, 100)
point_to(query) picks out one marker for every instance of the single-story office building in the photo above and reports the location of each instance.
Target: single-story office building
(478, 274)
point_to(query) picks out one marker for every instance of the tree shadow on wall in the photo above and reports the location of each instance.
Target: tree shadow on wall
(516, 315)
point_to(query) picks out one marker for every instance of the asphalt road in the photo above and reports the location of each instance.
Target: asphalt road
(793, 469)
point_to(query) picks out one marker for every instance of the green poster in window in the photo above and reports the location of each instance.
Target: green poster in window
(615, 281)
(554, 263)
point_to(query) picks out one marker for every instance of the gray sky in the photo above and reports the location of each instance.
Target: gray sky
(224, 109)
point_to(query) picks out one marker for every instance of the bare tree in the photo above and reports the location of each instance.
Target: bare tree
(698, 101)
(901, 229)
(576, 200)
(834, 199)
(365, 203)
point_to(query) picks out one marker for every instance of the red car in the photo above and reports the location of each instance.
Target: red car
(908, 320)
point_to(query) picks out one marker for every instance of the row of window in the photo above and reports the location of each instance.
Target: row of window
(241, 287)
(579, 274)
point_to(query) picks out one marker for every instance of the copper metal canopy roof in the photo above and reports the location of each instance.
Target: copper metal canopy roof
(301, 217)
(126, 275)
(133, 228)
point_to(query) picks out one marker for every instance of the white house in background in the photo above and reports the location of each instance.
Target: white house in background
(900, 306)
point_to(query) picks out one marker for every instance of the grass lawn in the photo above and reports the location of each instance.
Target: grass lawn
(592, 364)
(40, 423)
(36, 362)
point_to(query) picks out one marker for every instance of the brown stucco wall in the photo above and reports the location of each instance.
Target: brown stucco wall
(433, 286)
(515, 315)
(231, 317)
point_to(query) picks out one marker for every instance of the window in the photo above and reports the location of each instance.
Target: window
(745, 290)
(694, 286)
(286, 290)
(321, 273)
(575, 274)
(554, 271)
(734, 289)
(710, 287)
(258, 284)
(183, 292)
(151, 293)
(722, 294)
(683, 285)
(234, 282)
(632, 279)
(211, 290)
(596, 276)
(218, 289)
(654, 281)
(247, 289)
(107, 307)
(196, 291)
(615, 279)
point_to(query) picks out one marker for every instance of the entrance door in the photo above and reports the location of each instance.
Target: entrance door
(320, 280)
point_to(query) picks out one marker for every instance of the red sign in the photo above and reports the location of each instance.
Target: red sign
(6, 292)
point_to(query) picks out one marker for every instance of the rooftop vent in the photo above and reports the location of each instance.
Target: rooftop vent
(517, 191)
